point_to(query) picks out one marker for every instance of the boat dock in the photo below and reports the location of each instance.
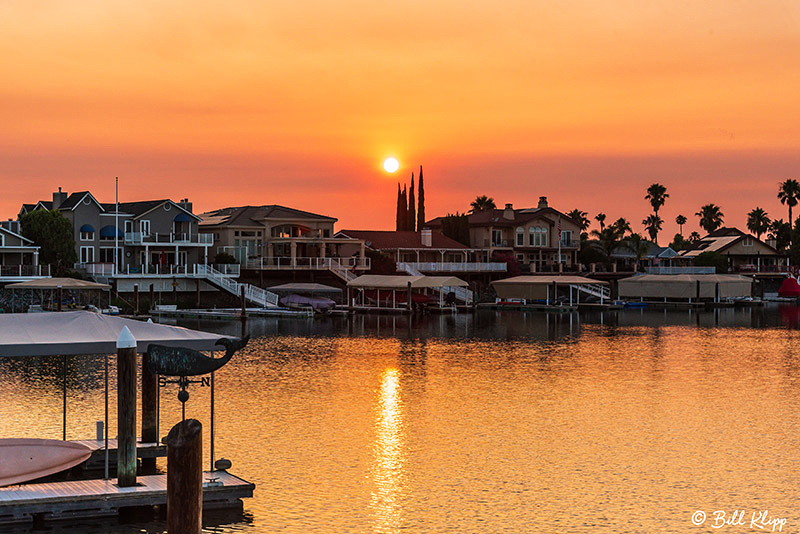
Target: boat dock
(98, 458)
(55, 501)
(232, 313)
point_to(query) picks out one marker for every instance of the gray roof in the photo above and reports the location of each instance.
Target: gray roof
(253, 215)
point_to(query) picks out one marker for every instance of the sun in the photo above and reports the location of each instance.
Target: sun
(391, 164)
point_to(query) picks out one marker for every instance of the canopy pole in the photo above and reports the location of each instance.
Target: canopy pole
(105, 445)
(64, 390)
(212, 418)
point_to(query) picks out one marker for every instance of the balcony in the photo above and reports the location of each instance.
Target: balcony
(139, 238)
(568, 243)
(454, 267)
(10, 273)
(308, 264)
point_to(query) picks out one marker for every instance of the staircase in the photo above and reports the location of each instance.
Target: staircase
(254, 294)
(463, 294)
(340, 270)
(596, 290)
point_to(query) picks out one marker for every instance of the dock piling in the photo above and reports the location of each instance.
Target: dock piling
(149, 412)
(126, 408)
(185, 477)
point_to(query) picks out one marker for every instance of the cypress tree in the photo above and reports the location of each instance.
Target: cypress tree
(421, 201)
(404, 209)
(399, 217)
(412, 212)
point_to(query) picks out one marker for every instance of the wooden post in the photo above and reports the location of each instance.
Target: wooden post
(408, 299)
(149, 412)
(152, 297)
(198, 292)
(135, 299)
(244, 303)
(60, 296)
(126, 409)
(185, 477)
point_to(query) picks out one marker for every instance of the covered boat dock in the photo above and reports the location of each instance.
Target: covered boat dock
(404, 293)
(550, 290)
(691, 288)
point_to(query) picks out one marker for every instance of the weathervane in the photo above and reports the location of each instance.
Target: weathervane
(183, 363)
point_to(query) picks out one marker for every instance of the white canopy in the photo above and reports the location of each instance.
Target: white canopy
(55, 283)
(83, 332)
(685, 286)
(537, 287)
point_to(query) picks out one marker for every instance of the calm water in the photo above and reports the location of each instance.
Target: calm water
(617, 422)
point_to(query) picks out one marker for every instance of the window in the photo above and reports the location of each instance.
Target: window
(107, 254)
(520, 237)
(128, 227)
(532, 236)
(521, 258)
(236, 233)
(538, 236)
(326, 233)
(748, 242)
(87, 254)
(87, 236)
(566, 236)
(497, 238)
(144, 227)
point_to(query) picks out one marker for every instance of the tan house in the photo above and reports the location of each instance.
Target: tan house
(534, 236)
(745, 253)
(276, 237)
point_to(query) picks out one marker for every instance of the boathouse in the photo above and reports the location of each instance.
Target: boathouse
(687, 287)
(549, 289)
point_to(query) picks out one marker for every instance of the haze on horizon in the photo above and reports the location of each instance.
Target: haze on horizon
(299, 104)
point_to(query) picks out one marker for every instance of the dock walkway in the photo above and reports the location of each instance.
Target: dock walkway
(54, 501)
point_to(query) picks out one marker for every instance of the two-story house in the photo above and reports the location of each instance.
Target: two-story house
(534, 236)
(145, 237)
(274, 238)
(19, 257)
(744, 252)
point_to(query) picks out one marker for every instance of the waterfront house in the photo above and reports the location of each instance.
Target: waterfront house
(655, 256)
(143, 237)
(19, 257)
(279, 238)
(425, 252)
(744, 252)
(534, 236)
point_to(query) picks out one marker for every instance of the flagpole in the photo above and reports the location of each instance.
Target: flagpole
(116, 224)
(559, 239)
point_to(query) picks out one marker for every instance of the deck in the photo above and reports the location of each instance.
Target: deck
(54, 501)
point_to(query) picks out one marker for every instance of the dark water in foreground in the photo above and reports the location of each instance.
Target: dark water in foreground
(627, 421)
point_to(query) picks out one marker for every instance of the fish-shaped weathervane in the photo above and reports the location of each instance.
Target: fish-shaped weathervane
(178, 361)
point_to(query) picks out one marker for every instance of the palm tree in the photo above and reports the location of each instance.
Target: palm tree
(657, 195)
(482, 203)
(601, 218)
(580, 218)
(758, 222)
(638, 245)
(652, 224)
(609, 237)
(680, 220)
(788, 194)
(694, 237)
(710, 217)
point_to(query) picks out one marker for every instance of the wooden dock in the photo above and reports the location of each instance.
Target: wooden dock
(98, 458)
(232, 313)
(55, 501)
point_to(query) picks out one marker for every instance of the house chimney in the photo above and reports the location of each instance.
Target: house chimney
(508, 213)
(542, 202)
(427, 237)
(58, 199)
(185, 204)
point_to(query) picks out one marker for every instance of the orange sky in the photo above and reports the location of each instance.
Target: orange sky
(297, 103)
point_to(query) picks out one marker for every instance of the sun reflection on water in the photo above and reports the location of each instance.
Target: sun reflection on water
(387, 469)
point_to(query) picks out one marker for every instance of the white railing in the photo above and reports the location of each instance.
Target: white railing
(305, 263)
(252, 293)
(680, 270)
(139, 238)
(342, 271)
(463, 294)
(231, 269)
(595, 290)
(18, 271)
(455, 267)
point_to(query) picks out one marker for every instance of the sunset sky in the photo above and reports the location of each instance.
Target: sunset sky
(298, 103)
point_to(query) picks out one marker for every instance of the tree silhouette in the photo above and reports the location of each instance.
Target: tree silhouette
(789, 193)
(601, 218)
(710, 217)
(638, 245)
(657, 195)
(694, 237)
(421, 202)
(652, 224)
(412, 210)
(680, 220)
(482, 203)
(758, 222)
(580, 217)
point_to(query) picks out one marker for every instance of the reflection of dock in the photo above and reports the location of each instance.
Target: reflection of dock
(55, 501)
(232, 313)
